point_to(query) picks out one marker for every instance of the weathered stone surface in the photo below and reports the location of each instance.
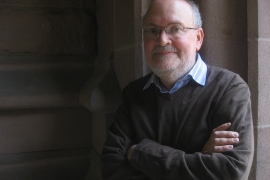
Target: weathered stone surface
(227, 54)
(46, 30)
(94, 171)
(105, 21)
(225, 20)
(53, 3)
(124, 27)
(63, 168)
(225, 41)
(263, 83)
(258, 46)
(46, 52)
(262, 150)
(129, 59)
(264, 19)
(101, 93)
(42, 81)
(44, 130)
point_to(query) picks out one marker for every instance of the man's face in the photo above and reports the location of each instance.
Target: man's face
(165, 54)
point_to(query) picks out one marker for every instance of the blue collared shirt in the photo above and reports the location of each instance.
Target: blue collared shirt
(197, 73)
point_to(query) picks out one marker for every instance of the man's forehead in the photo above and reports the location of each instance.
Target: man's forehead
(167, 1)
(168, 7)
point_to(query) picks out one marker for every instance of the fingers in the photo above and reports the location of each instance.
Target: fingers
(221, 140)
(130, 151)
(225, 134)
(225, 141)
(223, 127)
(218, 149)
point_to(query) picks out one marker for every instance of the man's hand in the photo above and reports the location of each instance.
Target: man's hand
(130, 151)
(221, 140)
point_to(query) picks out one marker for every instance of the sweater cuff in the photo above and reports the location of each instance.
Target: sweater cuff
(134, 159)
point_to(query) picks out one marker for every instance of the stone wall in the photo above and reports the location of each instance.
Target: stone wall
(225, 27)
(47, 52)
(53, 61)
(258, 78)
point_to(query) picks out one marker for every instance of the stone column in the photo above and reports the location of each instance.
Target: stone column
(129, 59)
(258, 78)
(225, 41)
(120, 61)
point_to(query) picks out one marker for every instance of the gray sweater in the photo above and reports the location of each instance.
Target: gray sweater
(171, 130)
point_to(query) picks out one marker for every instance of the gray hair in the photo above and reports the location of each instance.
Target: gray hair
(197, 15)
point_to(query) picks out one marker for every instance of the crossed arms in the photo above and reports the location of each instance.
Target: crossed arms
(226, 154)
(221, 140)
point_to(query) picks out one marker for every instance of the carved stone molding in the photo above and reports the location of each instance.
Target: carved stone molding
(101, 93)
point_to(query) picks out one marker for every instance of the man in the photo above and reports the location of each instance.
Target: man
(183, 120)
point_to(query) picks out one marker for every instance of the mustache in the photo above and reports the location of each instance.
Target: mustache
(159, 49)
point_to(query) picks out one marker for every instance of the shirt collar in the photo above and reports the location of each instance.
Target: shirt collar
(198, 74)
(199, 71)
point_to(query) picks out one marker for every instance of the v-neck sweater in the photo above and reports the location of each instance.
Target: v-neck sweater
(170, 130)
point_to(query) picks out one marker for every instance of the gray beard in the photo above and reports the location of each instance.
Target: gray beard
(174, 73)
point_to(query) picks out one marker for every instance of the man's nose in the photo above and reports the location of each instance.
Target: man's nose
(163, 38)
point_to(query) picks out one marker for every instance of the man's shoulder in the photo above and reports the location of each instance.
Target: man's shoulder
(220, 70)
(223, 75)
(138, 84)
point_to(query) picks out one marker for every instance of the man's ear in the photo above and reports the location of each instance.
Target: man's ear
(200, 35)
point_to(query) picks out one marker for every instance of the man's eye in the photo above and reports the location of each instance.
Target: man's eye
(175, 29)
(152, 31)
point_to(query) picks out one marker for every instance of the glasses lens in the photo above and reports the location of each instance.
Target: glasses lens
(175, 30)
(151, 32)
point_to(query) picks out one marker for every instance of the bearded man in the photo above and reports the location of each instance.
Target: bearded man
(186, 120)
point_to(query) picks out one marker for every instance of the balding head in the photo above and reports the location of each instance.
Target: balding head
(172, 52)
(197, 21)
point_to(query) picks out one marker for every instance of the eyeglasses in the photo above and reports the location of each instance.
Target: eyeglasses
(173, 31)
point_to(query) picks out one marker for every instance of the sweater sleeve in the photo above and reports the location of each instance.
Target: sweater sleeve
(162, 162)
(120, 137)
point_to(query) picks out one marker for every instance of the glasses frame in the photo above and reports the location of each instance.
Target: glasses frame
(165, 29)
